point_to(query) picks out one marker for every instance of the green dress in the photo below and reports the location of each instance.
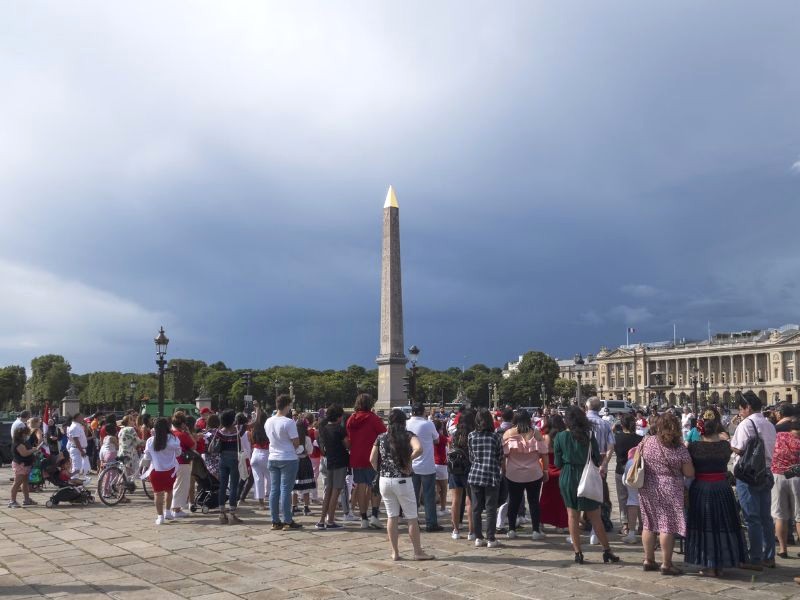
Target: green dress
(570, 457)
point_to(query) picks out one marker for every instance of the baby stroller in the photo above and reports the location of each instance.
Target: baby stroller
(36, 476)
(72, 491)
(206, 487)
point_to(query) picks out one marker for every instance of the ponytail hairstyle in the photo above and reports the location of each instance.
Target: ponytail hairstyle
(399, 444)
(160, 433)
(259, 434)
(302, 431)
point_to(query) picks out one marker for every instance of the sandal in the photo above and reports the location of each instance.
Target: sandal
(671, 571)
(649, 566)
(423, 557)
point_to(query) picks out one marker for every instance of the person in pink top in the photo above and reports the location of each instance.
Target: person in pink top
(526, 462)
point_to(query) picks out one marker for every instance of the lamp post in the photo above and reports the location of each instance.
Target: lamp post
(291, 392)
(695, 379)
(248, 399)
(161, 342)
(412, 376)
(277, 384)
(132, 386)
(600, 389)
(543, 395)
(579, 362)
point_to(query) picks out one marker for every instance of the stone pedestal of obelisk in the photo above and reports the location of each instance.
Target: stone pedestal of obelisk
(392, 359)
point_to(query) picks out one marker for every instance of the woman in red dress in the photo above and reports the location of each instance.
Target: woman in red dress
(551, 504)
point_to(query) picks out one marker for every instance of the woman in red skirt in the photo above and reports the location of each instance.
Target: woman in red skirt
(551, 504)
(162, 450)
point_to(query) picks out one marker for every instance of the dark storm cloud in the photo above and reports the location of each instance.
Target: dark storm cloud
(564, 171)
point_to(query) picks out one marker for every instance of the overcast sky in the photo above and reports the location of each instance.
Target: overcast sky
(564, 171)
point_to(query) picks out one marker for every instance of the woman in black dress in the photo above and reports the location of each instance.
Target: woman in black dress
(714, 538)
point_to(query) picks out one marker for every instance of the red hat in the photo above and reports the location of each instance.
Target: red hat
(205, 411)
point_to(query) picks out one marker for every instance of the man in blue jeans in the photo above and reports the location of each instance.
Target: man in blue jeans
(756, 500)
(424, 466)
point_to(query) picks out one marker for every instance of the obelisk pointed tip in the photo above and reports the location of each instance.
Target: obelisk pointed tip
(391, 199)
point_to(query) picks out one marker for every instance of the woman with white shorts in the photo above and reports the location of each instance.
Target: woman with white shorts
(391, 457)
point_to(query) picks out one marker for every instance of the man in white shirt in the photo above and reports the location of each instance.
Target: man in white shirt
(756, 500)
(21, 421)
(76, 446)
(283, 463)
(686, 419)
(605, 442)
(424, 466)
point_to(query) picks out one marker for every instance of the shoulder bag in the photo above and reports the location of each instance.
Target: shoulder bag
(591, 483)
(244, 473)
(635, 477)
(751, 468)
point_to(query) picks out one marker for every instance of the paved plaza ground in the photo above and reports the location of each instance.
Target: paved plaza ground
(100, 552)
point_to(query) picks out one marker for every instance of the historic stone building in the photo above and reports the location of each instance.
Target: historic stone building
(765, 362)
(567, 369)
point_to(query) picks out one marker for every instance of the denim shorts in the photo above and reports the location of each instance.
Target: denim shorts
(455, 482)
(364, 475)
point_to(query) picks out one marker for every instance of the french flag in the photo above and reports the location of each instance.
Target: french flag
(631, 330)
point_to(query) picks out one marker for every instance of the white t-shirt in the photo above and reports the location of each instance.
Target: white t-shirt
(16, 425)
(281, 431)
(166, 459)
(747, 429)
(76, 430)
(427, 436)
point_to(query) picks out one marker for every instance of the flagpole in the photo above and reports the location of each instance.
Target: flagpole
(627, 336)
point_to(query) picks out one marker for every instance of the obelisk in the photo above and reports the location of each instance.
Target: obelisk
(392, 359)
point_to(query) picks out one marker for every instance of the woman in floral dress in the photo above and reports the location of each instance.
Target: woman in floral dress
(667, 462)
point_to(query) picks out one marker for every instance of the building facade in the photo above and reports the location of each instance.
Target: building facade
(765, 362)
(567, 369)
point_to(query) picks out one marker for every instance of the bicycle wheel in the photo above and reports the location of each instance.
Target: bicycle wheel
(111, 486)
(148, 491)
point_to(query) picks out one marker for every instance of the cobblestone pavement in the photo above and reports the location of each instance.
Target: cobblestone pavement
(100, 552)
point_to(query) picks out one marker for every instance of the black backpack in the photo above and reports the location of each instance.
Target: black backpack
(751, 467)
(458, 461)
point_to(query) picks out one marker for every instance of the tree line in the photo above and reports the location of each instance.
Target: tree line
(51, 375)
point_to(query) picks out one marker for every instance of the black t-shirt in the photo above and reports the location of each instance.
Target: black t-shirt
(623, 442)
(331, 443)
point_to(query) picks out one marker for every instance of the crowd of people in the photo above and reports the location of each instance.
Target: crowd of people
(502, 471)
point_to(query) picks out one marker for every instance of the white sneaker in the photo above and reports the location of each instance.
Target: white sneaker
(479, 542)
(455, 535)
(364, 524)
(511, 534)
(374, 522)
(168, 516)
(470, 537)
(569, 540)
(524, 520)
(159, 520)
(441, 512)
(351, 518)
(630, 538)
(593, 540)
(492, 544)
(538, 535)
(179, 515)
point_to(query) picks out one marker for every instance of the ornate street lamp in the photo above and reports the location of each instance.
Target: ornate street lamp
(132, 386)
(579, 362)
(543, 395)
(695, 379)
(277, 384)
(161, 341)
(412, 375)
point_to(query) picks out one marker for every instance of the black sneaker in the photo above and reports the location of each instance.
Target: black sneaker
(333, 526)
(277, 526)
(320, 526)
(292, 525)
(434, 528)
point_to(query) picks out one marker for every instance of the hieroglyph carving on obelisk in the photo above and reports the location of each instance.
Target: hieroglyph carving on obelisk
(392, 359)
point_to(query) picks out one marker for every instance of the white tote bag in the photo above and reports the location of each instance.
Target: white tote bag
(591, 484)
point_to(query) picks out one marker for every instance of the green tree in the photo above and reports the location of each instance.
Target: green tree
(50, 378)
(12, 387)
(179, 386)
(525, 386)
(565, 388)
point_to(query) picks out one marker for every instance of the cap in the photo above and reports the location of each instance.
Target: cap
(205, 411)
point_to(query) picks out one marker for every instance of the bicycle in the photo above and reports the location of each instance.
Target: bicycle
(115, 480)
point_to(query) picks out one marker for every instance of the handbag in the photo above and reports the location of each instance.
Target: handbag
(591, 483)
(243, 472)
(635, 477)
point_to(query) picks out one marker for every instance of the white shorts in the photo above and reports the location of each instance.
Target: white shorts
(397, 493)
(441, 472)
(633, 496)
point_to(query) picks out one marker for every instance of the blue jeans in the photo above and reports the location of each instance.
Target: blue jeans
(428, 484)
(282, 475)
(228, 470)
(756, 504)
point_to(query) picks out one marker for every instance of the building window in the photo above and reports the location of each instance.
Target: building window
(776, 373)
(722, 377)
(680, 382)
(789, 374)
(713, 379)
(630, 381)
(613, 385)
(735, 377)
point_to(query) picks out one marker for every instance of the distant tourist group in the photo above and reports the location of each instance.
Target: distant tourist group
(671, 473)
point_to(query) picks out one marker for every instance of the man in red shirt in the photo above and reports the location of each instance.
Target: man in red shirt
(363, 427)
(200, 424)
